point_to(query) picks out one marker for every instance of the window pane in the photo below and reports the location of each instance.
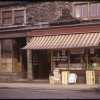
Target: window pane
(19, 13)
(60, 58)
(6, 48)
(84, 10)
(6, 55)
(19, 20)
(7, 21)
(7, 14)
(76, 58)
(93, 10)
(78, 11)
(98, 5)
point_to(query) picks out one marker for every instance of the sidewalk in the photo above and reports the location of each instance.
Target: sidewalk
(48, 86)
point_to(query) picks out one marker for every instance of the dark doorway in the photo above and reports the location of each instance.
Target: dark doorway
(41, 62)
(19, 57)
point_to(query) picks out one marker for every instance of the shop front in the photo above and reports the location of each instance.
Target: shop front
(12, 64)
(74, 53)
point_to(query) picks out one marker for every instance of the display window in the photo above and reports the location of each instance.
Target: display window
(77, 60)
(94, 59)
(60, 58)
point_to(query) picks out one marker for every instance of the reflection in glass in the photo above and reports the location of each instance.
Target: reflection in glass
(93, 10)
(78, 11)
(98, 6)
(84, 10)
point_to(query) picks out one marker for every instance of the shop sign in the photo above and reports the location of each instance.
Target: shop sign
(72, 78)
(92, 51)
(64, 58)
(77, 51)
(60, 56)
(63, 52)
(35, 59)
(57, 57)
(56, 71)
(56, 76)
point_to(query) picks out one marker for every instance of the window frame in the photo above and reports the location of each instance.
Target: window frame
(6, 17)
(82, 11)
(88, 10)
(18, 17)
(13, 16)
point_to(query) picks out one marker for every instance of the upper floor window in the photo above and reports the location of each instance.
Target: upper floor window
(87, 10)
(19, 16)
(93, 9)
(7, 17)
(13, 17)
(81, 10)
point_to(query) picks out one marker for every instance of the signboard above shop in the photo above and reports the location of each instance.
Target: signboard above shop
(77, 51)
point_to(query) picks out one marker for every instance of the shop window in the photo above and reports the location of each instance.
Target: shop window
(77, 59)
(94, 59)
(60, 58)
(6, 56)
(7, 17)
(6, 50)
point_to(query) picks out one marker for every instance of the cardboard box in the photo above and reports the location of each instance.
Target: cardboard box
(51, 79)
(90, 77)
(65, 77)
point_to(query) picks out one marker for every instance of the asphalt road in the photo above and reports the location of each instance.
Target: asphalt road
(47, 94)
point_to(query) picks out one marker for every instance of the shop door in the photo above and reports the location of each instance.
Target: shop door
(41, 64)
(35, 64)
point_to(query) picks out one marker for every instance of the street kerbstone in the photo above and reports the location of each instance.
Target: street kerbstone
(49, 86)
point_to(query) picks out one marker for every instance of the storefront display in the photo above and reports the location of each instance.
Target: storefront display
(81, 59)
(60, 58)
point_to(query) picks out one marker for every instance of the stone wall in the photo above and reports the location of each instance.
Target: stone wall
(40, 11)
(46, 11)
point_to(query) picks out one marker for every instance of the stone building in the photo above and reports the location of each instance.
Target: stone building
(38, 37)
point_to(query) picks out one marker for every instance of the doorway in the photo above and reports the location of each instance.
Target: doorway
(41, 63)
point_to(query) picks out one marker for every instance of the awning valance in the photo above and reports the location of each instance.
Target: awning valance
(64, 41)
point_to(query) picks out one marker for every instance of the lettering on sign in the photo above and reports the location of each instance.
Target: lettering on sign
(35, 59)
(56, 71)
(56, 76)
(92, 51)
(77, 51)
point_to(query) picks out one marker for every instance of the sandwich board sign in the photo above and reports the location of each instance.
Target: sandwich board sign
(56, 74)
(72, 78)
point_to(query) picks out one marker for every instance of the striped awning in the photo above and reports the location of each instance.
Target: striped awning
(64, 41)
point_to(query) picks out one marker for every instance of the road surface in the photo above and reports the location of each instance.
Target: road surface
(47, 94)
